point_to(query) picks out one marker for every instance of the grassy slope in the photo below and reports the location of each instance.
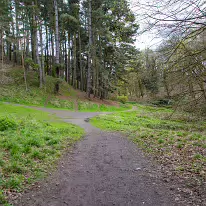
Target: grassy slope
(179, 144)
(15, 92)
(30, 142)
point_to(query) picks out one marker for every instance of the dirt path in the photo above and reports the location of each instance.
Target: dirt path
(103, 169)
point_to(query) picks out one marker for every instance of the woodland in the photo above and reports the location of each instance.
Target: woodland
(81, 43)
(91, 45)
(83, 56)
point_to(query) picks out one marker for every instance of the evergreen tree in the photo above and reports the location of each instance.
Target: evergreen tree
(88, 44)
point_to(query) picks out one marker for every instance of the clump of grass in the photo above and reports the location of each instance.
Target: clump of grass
(180, 168)
(160, 141)
(198, 156)
(6, 123)
(180, 145)
(2, 195)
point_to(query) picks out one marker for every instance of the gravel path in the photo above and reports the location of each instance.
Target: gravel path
(103, 169)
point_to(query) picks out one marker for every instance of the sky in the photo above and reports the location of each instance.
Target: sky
(169, 17)
(147, 39)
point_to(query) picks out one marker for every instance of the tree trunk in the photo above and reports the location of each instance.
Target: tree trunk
(65, 56)
(23, 65)
(41, 70)
(8, 45)
(17, 32)
(89, 80)
(57, 38)
(68, 61)
(61, 48)
(1, 44)
(47, 52)
(99, 81)
(26, 52)
(141, 88)
(2, 51)
(52, 54)
(39, 63)
(80, 63)
(74, 61)
(94, 66)
(14, 46)
(34, 39)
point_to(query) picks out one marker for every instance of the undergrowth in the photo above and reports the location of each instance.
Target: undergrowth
(30, 143)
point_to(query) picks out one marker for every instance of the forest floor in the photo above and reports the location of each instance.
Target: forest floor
(103, 169)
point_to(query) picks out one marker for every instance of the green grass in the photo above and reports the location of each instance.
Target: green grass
(40, 97)
(33, 97)
(30, 144)
(174, 141)
(15, 92)
(91, 107)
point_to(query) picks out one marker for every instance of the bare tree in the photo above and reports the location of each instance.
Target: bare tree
(173, 17)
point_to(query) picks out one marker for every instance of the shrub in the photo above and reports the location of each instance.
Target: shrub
(126, 106)
(163, 102)
(6, 123)
(31, 63)
(122, 99)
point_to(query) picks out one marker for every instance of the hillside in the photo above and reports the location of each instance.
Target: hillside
(13, 90)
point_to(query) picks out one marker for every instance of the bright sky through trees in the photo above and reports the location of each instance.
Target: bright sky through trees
(163, 19)
(146, 39)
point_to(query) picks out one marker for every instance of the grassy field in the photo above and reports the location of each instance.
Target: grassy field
(175, 141)
(30, 143)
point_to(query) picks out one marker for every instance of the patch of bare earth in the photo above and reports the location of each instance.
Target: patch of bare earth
(81, 96)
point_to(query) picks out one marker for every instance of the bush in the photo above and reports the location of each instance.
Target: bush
(31, 63)
(122, 99)
(6, 123)
(125, 106)
(163, 102)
